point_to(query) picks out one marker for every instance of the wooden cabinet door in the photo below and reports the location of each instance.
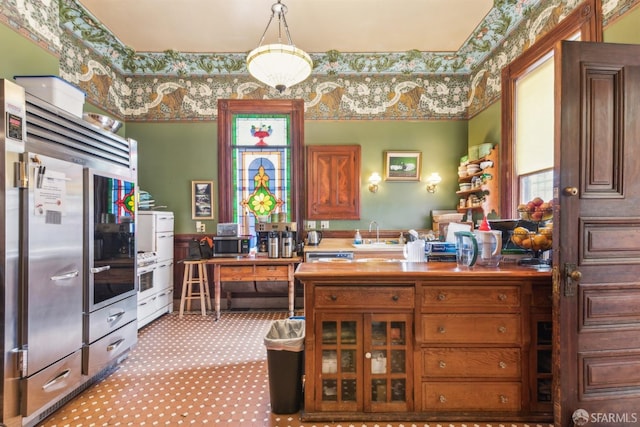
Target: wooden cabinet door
(333, 182)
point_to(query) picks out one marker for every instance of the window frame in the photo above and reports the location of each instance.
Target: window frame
(227, 109)
(585, 20)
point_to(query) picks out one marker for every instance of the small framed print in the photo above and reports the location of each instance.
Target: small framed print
(201, 199)
(402, 165)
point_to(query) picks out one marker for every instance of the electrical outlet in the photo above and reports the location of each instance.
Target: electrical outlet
(200, 227)
(311, 225)
(324, 225)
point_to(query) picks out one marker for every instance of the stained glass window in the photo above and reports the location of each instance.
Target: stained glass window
(118, 195)
(261, 167)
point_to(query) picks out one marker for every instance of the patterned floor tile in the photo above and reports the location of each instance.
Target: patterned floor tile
(192, 371)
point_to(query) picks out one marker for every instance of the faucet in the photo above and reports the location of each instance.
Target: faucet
(377, 230)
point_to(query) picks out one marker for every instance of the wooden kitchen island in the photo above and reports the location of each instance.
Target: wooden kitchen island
(426, 341)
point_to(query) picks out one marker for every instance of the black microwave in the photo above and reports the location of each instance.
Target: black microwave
(229, 246)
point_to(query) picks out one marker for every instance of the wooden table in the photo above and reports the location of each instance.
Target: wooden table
(256, 269)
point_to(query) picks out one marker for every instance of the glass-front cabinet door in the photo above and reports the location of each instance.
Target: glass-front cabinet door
(340, 362)
(364, 362)
(387, 363)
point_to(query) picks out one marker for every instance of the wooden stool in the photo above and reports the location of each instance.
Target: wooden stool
(195, 287)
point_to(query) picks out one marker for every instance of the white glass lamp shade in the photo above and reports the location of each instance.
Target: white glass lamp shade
(279, 65)
(374, 180)
(433, 181)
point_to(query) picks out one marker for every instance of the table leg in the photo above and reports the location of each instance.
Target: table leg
(216, 290)
(292, 293)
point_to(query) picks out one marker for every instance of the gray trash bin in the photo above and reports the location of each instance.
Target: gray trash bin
(285, 361)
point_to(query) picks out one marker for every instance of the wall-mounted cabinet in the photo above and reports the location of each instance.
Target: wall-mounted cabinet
(333, 182)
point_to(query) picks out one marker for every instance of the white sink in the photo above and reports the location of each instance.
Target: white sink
(378, 246)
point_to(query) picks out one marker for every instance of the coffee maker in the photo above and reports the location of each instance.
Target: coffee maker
(287, 238)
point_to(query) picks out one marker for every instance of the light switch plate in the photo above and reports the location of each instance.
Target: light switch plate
(311, 225)
(200, 227)
(324, 225)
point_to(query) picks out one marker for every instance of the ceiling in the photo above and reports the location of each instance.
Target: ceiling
(316, 26)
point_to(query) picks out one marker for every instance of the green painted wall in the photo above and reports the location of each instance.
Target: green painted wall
(171, 155)
(485, 126)
(22, 57)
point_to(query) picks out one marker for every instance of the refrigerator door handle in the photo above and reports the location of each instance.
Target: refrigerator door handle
(66, 276)
(100, 269)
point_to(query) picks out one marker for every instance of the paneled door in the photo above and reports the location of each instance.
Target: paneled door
(596, 289)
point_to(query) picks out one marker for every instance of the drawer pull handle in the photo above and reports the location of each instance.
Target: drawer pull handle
(61, 376)
(502, 297)
(115, 345)
(502, 365)
(442, 364)
(367, 355)
(502, 329)
(441, 297)
(441, 329)
(442, 399)
(115, 316)
(504, 399)
(333, 297)
(395, 297)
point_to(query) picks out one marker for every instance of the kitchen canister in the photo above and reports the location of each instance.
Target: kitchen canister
(273, 244)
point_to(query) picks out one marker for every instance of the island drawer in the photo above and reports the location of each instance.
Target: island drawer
(364, 297)
(471, 396)
(471, 328)
(471, 362)
(485, 298)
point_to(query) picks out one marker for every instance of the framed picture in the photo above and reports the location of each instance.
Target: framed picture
(402, 165)
(201, 199)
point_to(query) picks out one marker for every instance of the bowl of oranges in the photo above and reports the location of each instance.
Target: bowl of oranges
(536, 210)
(540, 240)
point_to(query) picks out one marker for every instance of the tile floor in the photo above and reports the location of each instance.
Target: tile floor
(192, 371)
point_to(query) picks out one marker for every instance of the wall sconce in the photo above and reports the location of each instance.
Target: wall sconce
(433, 181)
(374, 180)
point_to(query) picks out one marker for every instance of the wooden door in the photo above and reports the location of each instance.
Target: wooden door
(597, 257)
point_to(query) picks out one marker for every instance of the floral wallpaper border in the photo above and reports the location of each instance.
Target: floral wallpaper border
(170, 86)
(499, 22)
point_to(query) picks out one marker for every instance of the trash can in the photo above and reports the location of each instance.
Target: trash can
(285, 361)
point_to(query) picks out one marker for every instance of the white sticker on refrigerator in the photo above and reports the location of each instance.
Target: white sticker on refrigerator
(50, 195)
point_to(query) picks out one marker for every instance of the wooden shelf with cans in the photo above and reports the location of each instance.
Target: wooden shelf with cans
(478, 183)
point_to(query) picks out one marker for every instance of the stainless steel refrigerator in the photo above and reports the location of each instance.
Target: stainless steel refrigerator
(51, 330)
(44, 270)
(46, 195)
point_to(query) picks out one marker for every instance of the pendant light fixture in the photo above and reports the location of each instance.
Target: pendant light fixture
(279, 65)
